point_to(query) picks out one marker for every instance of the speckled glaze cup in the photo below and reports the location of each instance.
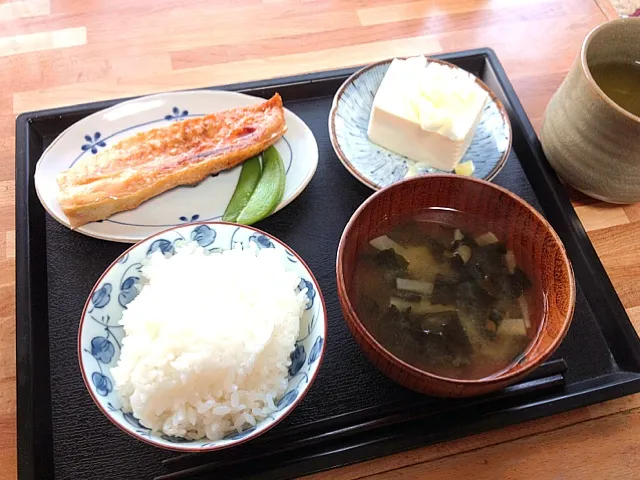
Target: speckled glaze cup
(591, 142)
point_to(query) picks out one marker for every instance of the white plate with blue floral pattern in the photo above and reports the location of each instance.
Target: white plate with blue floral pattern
(100, 337)
(203, 202)
(378, 167)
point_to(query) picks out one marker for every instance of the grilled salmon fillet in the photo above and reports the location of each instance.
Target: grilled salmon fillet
(138, 168)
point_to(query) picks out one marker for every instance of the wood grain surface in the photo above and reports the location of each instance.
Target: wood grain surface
(60, 52)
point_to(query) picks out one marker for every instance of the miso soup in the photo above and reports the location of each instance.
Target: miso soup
(442, 292)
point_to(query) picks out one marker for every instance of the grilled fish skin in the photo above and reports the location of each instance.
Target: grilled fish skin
(145, 165)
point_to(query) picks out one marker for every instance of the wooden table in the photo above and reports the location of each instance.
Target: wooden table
(59, 52)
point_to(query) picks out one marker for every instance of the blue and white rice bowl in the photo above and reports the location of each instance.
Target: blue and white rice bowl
(100, 335)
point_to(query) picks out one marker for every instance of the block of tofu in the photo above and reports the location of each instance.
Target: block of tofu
(426, 111)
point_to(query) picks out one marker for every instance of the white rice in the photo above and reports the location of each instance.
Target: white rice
(207, 341)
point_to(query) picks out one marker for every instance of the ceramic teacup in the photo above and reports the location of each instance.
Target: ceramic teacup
(592, 142)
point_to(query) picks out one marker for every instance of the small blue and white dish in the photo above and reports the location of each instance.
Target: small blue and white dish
(100, 336)
(378, 167)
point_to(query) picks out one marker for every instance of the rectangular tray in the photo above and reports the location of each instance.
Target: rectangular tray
(352, 413)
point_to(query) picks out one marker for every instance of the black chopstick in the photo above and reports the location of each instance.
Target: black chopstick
(548, 376)
(340, 422)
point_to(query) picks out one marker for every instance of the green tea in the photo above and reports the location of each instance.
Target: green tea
(621, 83)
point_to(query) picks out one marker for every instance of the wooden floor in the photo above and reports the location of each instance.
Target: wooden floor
(58, 52)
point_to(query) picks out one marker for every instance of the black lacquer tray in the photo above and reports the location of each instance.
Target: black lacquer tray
(352, 412)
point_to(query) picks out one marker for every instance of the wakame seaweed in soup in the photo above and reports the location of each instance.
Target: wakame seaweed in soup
(442, 292)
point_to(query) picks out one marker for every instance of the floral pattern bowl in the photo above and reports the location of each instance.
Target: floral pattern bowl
(100, 336)
(205, 201)
(378, 167)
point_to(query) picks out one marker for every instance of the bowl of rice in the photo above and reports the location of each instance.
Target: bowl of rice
(202, 337)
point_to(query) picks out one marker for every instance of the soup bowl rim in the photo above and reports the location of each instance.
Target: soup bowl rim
(505, 375)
